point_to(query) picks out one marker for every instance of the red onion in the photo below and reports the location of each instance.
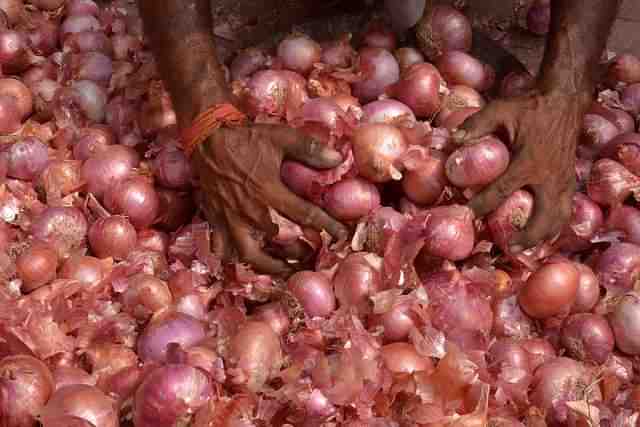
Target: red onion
(62, 177)
(419, 88)
(379, 36)
(442, 29)
(550, 291)
(275, 315)
(47, 4)
(478, 163)
(89, 41)
(27, 158)
(82, 401)
(176, 209)
(84, 101)
(77, 24)
(627, 220)
(619, 266)
(44, 92)
(397, 323)
(25, 386)
(255, 351)
(611, 183)
(586, 220)
(402, 358)
(358, 277)
(510, 217)
(425, 181)
(275, 92)
(407, 56)
(507, 353)
(461, 103)
(625, 68)
(380, 70)
(113, 236)
(300, 179)
(625, 148)
(36, 266)
(324, 113)
(135, 198)
(69, 375)
(94, 66)
(351, 199)
(460, 68)
(516, 83)
(314, 292)
(509, 320)
(15, 55)
(16, 89)
(94, 141)
(43, 35)
(248, 62)
(387, 111)
(169, 394)
(588, 337)
(10, 120)
(588, 290)
(539, 17)
(13, 9)
(298, 53)
(558, 381)
(540, 351)
(113, 165)
(145, 295)
(338, 53)
(630, 98)
(153, 240)
(625, 324)
(176, 328)
(620, 118)
(87, 270)
(449, 232)
(597, 131)
(376, 149)
(82, 7)
(63, 228)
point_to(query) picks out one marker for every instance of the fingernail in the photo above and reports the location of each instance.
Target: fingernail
(459, 135)
(516, 248)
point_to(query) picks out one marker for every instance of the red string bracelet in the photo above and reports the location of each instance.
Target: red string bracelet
(207, 122)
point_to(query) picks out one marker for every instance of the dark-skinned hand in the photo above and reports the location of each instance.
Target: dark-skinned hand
(543, 131)
(239, 170)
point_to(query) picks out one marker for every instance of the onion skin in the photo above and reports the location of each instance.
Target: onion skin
(419, 88)
(358, 277)
(425, 183)
(510, 217)
(298, 53)
(588, 337)
(176, 328)
(63, 228)
(351, 199)
(247, 62)
(87, 270)
(68, 375)
(172, 169)
(461, 103)
(113, 236)
(449, 232)
(338, 53)
(380, 69)
(550, 291)
(18, 90)
(402, 358)
(376, 149)
(610, 183)
(460, 68)
(314, 292)
(145, 295)
(379, 36)
(619, 266)
(624, 322)
(387, 111)
(256, 351)
(82, 401)
(477, 164)
(597, 132)
(588, 290)
(9, 115)
(443, 29)
(509, 320)
(36, 267)
(630, 98)
(625, 68)
(26, 384)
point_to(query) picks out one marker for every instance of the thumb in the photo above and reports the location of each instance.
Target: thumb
(483, 123)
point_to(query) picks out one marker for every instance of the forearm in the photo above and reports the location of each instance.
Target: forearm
(181, 37)
(578, 36)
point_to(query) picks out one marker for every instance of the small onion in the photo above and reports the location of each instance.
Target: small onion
(338, 53)
(588, 337)
(477, 164)
(103, 171)
(113, 236)
(13, 9)
(134, 198)
(625, 68)
(402, 358)
(93, 141)
(65, 229)
(625, 324)
(275, 315)
(351, 199)
(10, 120)
(82, 401)
(627, 220)
(376, 149)
(460, 68)
(510, 217)
(540, 351)
(597, 131)
(516, 84)
(358, 277)
(625, 148)
(176, 328)
(379, 36)
(586, 220)
(172, 169)
(18, 90)
(588, 290)
(314, 292)
(425, 183)
(36, 266)
(82, 7)
(460, 103)
(380, 70)
(87, 270)
(387, 111)
(145, 295)
(299, 52)
(611, 183)
(618, 267)
(442, 29)
(449, 232)
(27, 158)
(550, 291)
(78, 23)
(419, 88)
(69, 375)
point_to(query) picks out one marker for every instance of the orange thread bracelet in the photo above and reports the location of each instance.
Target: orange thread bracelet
(207, 122)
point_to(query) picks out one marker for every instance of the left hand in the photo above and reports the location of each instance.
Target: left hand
(543, 131)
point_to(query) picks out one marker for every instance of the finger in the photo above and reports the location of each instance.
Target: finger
(298, 251)
(491, 197)
(549, 216)
(308, 215)
(483, 123)
(250, 251)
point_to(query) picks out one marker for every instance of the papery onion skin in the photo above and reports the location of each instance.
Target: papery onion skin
(26, 384)
(509, 320)
(78, 23)
(586, 220)
(387, 111)
(376, 149)
(424, 184)
(351, 199)
(10, 120)
(69, 375)
(381, 70)
(550, 291)
(625, 148)
(113, 236)
(338, 53)
(443, 29)
(176, 328)
(36, 266)
(477, 164)
(460, 103)
(358, 277)
(610, 183)
(314, 292)
(419, 88)
(588, 337)
(87, 270)
(145, 295)
(510, 217)
(82, 401)
(618, 267)
(402, 358)
(18, 90)
(597, 131)
(27, 158)
(460, 68)
(588, 293)
(397, 323)
(625, 324)
(63, 228)
(298, 53)
(508, 353)
(449, 232)
(256, 351)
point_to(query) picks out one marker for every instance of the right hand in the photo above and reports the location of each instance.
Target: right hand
(239, 170)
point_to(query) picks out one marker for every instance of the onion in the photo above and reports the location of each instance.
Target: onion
(135, 198)
(153, 240)
(461, 103)
(351, 199)
(625, 68)
(449, 232)
(176, 328)
(90, 41)
(247, 62)
(77, 24)
(83, 102)
(298, 53)
(407, 56)
(540, 351)
(507, 354)
(558, 381)
(15, 55)
(425, 182)
(113, 236)
(419, 88)
(619, 266)
(620, 118)
(550, 291)
(63, 228)
(598, 131)
(509, 320)
(10, 120)
(625, 325)
(586, 220)
(380, 70)
(25, 386)
(358, 277)
(43, 36)
(36, 266)
(397, 323)
(27, 158)
(93, 66)
(387, 111)
(275, 92)
(16, 89)
(588, 290)
(510, 217)
(13, 9)
(87, 270)
(460, 68)
(478, 163)
(539, 17)
(588, 337)
(376, 149)
(338, 53)
(62, 177)
(402, 358)
(611, 183)
(145, 295)
(630, 98)
(94, 141)
(314, 292)
(176, 209)
(300, 179)
(443, 29)
(516, 83)
(115, 164)
(47, 4)
(82, 7)
(82, 401)
(627, 220)
(625, 148)
(275, 316)
(170, 394)
(255, 351)
(379, 36)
